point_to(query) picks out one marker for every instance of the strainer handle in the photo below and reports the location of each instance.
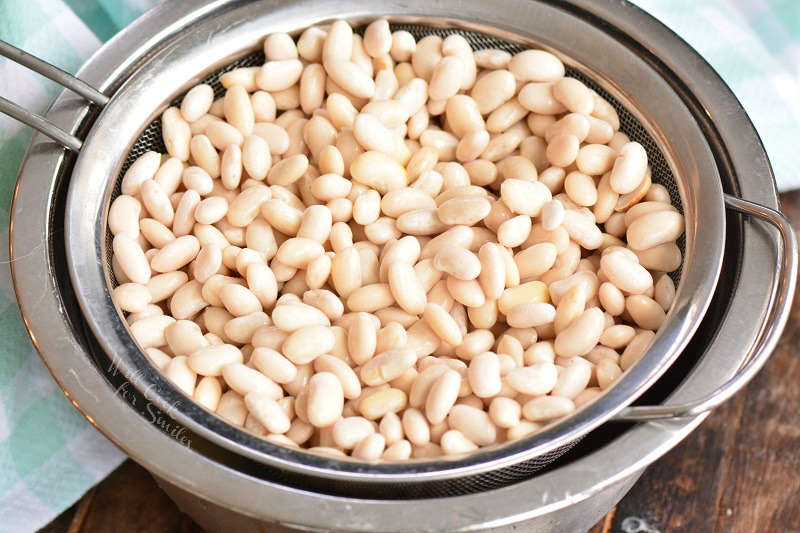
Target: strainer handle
(781, 294)
(59, 76)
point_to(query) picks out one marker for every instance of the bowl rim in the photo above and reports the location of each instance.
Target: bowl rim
(54, 336)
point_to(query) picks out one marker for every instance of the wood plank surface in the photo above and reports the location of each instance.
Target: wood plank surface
(739, 472)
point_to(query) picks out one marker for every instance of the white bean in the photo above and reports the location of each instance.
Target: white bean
(484, 375)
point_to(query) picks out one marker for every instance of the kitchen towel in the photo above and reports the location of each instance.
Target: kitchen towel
(49, 455)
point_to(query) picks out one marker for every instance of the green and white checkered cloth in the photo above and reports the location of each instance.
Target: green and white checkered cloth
(49, 455)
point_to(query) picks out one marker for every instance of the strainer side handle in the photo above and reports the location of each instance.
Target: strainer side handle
(781, 295)
(65, 79)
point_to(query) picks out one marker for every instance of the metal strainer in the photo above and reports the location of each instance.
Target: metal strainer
(650, 112)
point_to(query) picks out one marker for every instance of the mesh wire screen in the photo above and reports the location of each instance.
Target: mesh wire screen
(151, 139)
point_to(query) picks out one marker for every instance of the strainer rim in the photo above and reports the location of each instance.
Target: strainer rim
(75, 231)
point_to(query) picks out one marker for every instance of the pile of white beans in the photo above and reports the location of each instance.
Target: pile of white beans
(392, 249)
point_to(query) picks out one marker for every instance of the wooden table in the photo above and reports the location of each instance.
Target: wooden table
(738, 472)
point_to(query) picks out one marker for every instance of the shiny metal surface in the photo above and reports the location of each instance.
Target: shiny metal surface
(582, 514)
(40, 124)
(574, 493)
(63, 78)
(782, 290)
(59, 76)
(238, 31)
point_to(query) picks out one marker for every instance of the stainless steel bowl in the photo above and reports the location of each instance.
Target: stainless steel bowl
(702, 143)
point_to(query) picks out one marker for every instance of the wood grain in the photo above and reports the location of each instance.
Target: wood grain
(738, 472)
(129, 501)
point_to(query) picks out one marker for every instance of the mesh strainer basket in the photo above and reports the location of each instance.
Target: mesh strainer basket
(649, 112)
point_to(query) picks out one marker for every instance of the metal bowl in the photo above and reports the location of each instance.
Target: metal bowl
(674, 69)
